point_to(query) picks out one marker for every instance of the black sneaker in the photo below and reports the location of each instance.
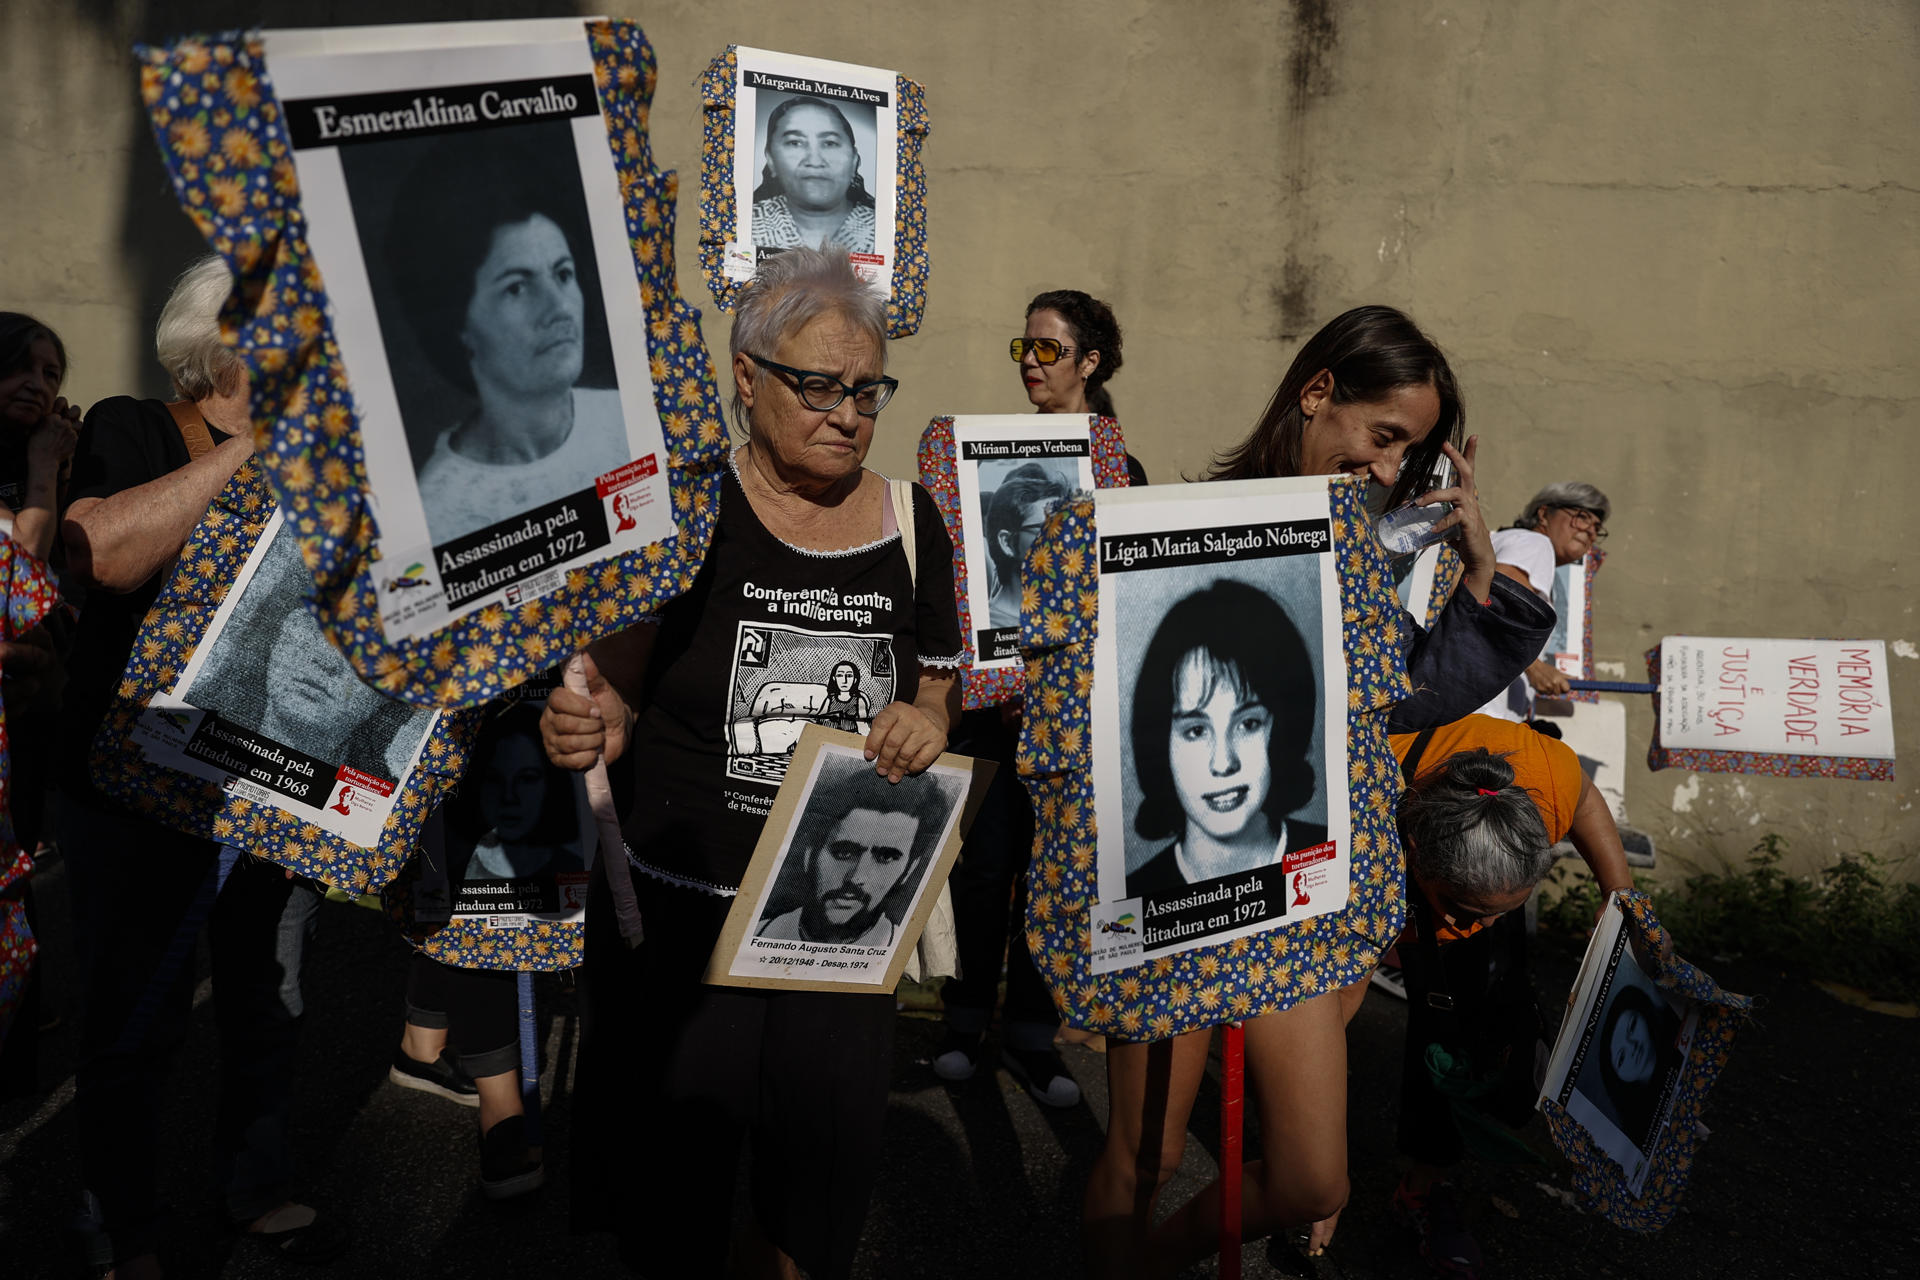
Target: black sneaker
(506, 1168)
(958, 1056)
(442, 1077)
(1044, 1075)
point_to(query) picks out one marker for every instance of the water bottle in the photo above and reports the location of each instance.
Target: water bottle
(1409, 527)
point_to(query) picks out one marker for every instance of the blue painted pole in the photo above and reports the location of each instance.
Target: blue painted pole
(529, 1057)
(1611, 686)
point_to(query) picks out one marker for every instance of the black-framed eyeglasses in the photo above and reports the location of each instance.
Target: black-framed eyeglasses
(822, 392)
(1590, 520)
(1045, 350)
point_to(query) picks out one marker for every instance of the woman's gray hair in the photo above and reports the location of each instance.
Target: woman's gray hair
(1467, 825)
(792, 289)
(187, 338)
(1568, 493)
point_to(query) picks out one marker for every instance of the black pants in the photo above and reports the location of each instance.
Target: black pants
(989, 885)
(1478, 972)
(675, 1077)
(477, 1008)
(134, 885)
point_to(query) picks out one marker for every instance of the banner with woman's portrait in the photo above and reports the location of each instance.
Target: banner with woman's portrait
(995, 478)
(1570, 647)
(1219, 739)
(1203, 736)
(464, 210)
(238, 721)
(807, 152)
(847, 869)
(464, 222)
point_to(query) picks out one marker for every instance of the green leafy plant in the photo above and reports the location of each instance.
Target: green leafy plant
(1850, 923)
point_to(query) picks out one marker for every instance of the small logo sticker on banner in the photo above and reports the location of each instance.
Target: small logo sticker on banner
(411, 592)
(1117, 941)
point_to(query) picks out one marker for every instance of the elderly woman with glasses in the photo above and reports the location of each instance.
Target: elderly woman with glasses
(1558, 527)
(805, 595)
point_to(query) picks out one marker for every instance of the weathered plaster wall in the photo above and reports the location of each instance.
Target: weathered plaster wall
(1671, 247)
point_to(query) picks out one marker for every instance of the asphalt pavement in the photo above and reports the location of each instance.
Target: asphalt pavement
(980, 1181)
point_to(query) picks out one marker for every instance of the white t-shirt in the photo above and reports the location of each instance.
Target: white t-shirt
(1532, 554)
(461, 495)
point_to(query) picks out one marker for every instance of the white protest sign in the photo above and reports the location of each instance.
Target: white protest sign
(1783, 697)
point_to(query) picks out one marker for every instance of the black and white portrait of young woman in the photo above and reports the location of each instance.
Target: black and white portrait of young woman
(1634, 1057)
(859, 853)
(816, 174)
(517, 815)
(1015, 496)
(273, 672)
(481, 262)
(1223, 722)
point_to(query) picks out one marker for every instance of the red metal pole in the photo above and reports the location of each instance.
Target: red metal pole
(1233, 1082)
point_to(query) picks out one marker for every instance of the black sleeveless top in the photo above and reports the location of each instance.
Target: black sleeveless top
(772, 638)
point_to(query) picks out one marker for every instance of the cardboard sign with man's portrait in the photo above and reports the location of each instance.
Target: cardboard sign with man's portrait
(1219, 717)
(462, 205)
(847, 869)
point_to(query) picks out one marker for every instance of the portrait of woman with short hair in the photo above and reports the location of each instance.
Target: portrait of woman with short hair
(812, 191)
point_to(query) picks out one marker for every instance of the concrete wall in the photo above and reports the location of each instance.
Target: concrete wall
(1670, 246)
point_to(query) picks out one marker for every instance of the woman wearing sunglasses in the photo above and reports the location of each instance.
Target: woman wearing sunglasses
(1368, 395)
(805, 611)
(1070, 348)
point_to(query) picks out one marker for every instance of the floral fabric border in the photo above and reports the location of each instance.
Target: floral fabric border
(1595, 559)
(1597, 1178)
(717, 209)
(1248, 976)
(224, 141)
(939, 473)
(212, 558)
(1701, 760)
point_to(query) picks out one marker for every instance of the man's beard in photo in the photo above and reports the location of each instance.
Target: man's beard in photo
(817, 927)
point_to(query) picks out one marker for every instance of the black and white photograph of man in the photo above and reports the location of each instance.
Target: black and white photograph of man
(858, 854)
(484, 279)
(273, 672)
(1015, 496)
(815, 180)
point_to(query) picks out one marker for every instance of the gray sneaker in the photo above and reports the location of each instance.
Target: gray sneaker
(1044, 1075)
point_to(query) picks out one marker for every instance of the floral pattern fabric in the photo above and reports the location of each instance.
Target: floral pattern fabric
(224, 141)
(1597, 1178)
(939, 472)
(31, 596)
(215, 553)
(718, 208)
(1248, 976)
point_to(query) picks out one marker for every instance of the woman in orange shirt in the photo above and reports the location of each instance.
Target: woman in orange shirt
(1486, 801)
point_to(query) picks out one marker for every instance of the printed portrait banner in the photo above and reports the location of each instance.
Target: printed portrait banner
(994, 477)
(501, 880)
(529, 454)
(804, 151)
(1219, 757)
(1426, 581)
(1643, 1040)
(238, 721)
(1792, 708)
(1243, 967)
(847, 869)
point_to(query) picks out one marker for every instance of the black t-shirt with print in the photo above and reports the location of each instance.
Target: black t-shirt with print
(770, 639)
(124, 443)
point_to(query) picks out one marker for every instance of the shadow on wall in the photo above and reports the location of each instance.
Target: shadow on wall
(156, 239)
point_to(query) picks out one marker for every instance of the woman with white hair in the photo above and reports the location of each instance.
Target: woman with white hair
(808, 576)
(144, 474)
(1559, 526)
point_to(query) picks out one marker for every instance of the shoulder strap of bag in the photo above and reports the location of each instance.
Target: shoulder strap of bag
(1411, 765)
(901, 492)
(193, 428)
